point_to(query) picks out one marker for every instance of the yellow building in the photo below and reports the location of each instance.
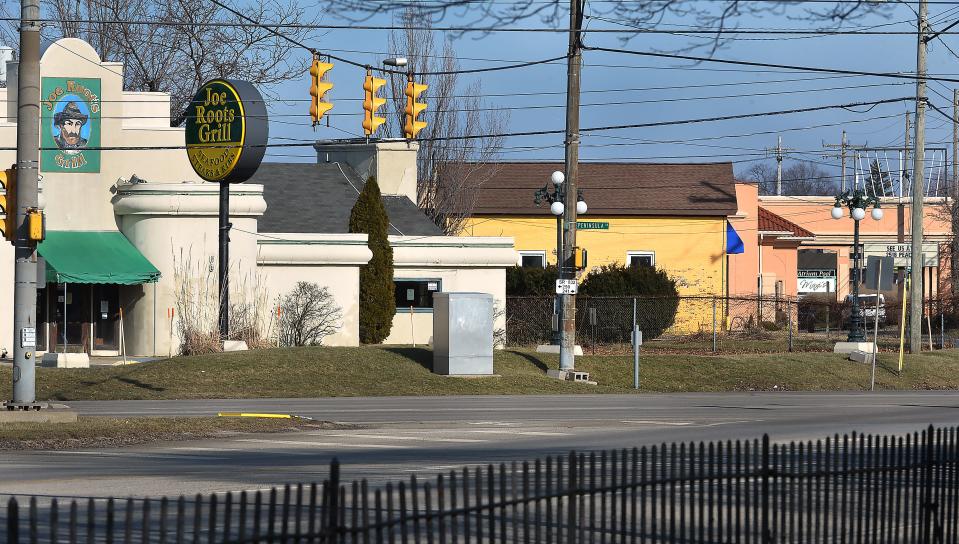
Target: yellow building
(672, 216)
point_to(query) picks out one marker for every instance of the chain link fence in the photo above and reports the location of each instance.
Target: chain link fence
(710, 324)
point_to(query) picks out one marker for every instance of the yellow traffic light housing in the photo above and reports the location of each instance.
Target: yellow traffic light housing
(36, 225)
(413, 109)
(579, 258)
(8, 204)
(371, 103)
(318, 88)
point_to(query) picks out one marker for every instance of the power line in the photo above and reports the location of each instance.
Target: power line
(679, 29)
(379, 69)
(767, 65)
(553, 106)
(537, 132)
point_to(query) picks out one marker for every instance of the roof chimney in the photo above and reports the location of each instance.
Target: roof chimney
(392, 162)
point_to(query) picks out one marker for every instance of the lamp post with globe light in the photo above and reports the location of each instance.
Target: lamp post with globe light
(557, 208)
(857, 201)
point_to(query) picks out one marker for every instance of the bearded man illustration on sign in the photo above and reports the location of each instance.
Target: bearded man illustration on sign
(70, 123)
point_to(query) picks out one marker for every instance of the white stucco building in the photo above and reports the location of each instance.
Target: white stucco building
(136, 229)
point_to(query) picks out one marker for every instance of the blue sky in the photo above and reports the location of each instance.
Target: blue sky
(692, 90)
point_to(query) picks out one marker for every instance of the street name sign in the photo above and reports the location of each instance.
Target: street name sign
(592, 225)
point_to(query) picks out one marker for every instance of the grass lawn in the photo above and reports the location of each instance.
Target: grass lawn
(384, 371)
(113, 432)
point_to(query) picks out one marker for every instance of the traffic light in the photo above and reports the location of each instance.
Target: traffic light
(413, 109)
(8, 204)
(318, 88)
(371, 103)
(579, 258)
(36, 225)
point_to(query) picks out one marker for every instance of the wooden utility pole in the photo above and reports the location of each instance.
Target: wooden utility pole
(915, 287)
(843, 148)
(955, 139)
(780, 153)
(566, 269)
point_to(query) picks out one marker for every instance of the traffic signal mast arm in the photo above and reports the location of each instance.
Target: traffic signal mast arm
(412, 126)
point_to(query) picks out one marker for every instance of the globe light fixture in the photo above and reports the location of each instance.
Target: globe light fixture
(580, 207)
(557, 208)
(856, 200)
(557, 178)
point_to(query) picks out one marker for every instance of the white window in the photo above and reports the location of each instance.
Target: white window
(535, 259)
(641, 258)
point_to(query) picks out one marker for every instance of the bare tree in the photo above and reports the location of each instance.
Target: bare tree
(451, 172)
(183, 44)
(806, 178)
(761, 173)
(710, 19)
(308, 313)
(800, 178)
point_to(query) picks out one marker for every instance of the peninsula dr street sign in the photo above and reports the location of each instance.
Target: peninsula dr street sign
(592, 225)
(226, 131)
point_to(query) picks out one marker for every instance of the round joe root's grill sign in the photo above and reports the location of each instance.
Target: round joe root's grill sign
(226, 131)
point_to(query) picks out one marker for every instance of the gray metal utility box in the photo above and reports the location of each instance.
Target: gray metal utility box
(463, 334)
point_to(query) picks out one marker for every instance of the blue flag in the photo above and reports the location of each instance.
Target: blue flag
(734, 244)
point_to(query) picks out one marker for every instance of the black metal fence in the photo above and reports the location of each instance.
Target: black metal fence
(717, 324)
(858, 488)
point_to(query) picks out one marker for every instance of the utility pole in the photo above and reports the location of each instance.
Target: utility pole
(780, 152)
(566, 269)
(28, 153)
(843, 148)
(954, 194)
(955, 139)
(900, 207)
(915, 286)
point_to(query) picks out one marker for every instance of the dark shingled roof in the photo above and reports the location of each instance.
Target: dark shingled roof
(613, 188)
(317, 198)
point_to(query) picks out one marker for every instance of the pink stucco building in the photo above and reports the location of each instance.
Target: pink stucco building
(792, 246)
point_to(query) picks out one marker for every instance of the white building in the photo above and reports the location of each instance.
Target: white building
(136, 229)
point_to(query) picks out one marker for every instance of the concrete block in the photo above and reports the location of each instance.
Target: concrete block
(570, 376)
(553, 348)
(849, 347)
(556, 374)
(235, 345)
(861, 357)
(65, 360)
(48, 415)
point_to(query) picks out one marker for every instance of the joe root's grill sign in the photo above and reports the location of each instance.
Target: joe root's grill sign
(226, 131)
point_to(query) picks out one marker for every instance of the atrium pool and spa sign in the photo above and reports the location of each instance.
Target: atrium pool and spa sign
(226, 131)
(70, 124)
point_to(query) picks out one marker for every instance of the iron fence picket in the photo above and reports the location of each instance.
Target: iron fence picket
(857, 489)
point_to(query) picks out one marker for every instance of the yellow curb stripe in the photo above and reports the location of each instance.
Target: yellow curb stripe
(242, 414)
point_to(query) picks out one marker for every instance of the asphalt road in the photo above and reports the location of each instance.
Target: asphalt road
(399, 436)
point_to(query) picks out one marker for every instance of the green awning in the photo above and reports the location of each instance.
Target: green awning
(94, 257)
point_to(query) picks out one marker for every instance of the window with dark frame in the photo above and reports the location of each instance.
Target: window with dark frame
(533, 260)
(417, 294)
(641, 259)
